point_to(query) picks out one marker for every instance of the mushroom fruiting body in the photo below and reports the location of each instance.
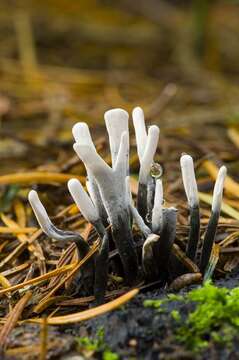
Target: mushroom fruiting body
(109, 207)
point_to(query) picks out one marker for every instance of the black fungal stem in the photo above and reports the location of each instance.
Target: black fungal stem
(208, 241)
(194, 234)
(123, 239)
(163, 247)
(142, 201)
(101, 270)
(88, 268)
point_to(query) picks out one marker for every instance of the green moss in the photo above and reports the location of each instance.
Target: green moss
(97, 345)
(109, 355)
(215, 317)
(157, 304)
(176, 315)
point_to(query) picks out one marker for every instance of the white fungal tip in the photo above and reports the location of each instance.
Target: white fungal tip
(189, 180)
(84, 151)
(138, 114)
(81, 134)
(116, 121)
(149, 152)
(154, 131)
(218, 189)
(116, 115)
(140, 130)
(83, 201)
(39, 211)
(185, 160)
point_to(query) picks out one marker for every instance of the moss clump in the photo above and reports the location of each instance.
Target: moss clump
(206, 314)
(215, 317)
(97, 345)
(157, 304)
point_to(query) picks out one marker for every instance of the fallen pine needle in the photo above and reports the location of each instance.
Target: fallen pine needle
(226, 209)
(4, 282)
(38, 279)
(33, 349)
(93, 249)
(15, 269)
(233, 134)
(17, 230)
(12, 255)
(50, 301)
(231, 186)
(91, 313)
(13, 318)
(20, 213)
(37, 177)
(229, 240)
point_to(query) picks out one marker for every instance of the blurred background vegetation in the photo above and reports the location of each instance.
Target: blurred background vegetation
(63, 61)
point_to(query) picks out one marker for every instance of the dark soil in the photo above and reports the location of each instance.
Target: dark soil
(143, 333)
(132, 332)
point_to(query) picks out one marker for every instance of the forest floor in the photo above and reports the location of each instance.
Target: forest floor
(62, 64)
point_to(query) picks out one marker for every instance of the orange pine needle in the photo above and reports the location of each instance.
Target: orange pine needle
(91, 313)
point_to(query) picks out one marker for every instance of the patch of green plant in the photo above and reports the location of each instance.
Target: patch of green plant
(97, 345)
(176, 315)
(157, 303)
(215, 317)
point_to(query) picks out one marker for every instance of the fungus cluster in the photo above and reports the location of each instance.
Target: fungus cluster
(108, 205)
